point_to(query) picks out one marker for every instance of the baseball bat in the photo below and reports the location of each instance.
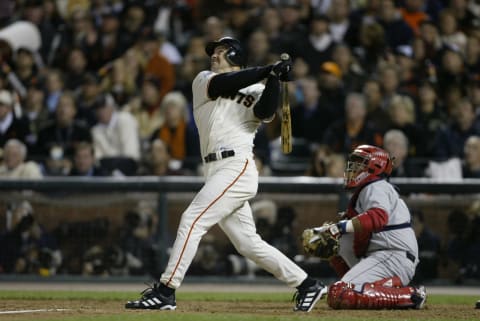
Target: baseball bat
(286, 127)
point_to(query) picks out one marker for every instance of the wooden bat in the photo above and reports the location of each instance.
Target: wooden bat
(286, 127)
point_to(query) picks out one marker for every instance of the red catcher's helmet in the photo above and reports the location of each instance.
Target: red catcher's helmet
(365, 164)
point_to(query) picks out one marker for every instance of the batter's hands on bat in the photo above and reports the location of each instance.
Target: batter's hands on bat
(282, 69)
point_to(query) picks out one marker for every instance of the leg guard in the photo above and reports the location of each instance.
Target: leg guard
(341, 295)
(393, 282)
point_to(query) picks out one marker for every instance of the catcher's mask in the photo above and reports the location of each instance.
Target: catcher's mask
(235, 55)
(365, 164)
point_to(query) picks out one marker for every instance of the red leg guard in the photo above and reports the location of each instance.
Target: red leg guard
(341, 295)
(393, 282)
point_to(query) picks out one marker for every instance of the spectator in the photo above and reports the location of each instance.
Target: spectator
(56, 164)
(25, 66)
(332, 92)
(147, 110)
(449, 32)
(397, 31)
(471, 163)
(408, 73)
(116, 133)
(86, 95)
(65, 131)
(158, 162)
(390, 82)
(309, 117)
(76, 67)
(430, 116)
(340, 26)
(259, 52)
(371, 46)
(472, 56)
(137, 240)
(457, 241)
(133, 24)
(270, 23)
(467, 20)
(27, 247)
(11, 126)
(54, 86)
(335, 166)
(181, 140)
(157, 65)
(124, 78)
(401, 110)
(413, 14)
(15, 164)
(315, 47)
(353, 75)
(432, 41)
(395, 142)
(318, 160)
(452, 71)
(376, 113)
(342, 136)
(429, 249)
(450, 138)
(291, 30)
(35, 111)
(84, 163)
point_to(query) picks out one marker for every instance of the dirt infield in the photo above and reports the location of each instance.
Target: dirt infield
(39, 309)
(90, 309)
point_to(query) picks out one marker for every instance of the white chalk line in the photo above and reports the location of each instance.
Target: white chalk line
(32, 311)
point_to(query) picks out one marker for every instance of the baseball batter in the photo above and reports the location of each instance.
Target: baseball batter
(229, 104)
(378, 249)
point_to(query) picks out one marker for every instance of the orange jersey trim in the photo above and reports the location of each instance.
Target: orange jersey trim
(199, 216)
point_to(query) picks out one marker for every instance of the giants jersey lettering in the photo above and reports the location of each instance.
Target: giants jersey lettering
(226, 122)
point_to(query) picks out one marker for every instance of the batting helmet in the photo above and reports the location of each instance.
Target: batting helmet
(365, 164)
(235, 55)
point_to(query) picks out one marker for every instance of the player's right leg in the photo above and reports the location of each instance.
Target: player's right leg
(240, 229)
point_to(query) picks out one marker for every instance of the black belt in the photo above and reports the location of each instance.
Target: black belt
(218, 156)
(410, 256)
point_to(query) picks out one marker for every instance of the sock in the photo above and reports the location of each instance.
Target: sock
(308, 282)
(165, 290)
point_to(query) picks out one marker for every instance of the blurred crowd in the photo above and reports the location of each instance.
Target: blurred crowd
(108, 90)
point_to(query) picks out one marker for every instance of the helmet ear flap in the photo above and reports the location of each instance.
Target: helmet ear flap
(231, 56)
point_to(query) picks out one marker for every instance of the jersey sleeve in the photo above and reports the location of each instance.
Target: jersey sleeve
(200, 87)
(374, 207)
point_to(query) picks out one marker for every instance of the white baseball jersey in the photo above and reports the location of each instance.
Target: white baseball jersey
(226, 124)
(393, 251)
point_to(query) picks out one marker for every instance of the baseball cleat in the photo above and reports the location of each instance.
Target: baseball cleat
(305, 300)
(419, 297)
(152, 299)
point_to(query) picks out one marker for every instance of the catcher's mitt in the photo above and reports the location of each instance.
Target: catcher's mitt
(321, 241)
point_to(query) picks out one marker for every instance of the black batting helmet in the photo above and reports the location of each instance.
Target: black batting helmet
(235, 54)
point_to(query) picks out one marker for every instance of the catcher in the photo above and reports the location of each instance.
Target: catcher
(372, 248)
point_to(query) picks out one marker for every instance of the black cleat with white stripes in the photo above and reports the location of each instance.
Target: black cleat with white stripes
(152, 299)
(305, 299)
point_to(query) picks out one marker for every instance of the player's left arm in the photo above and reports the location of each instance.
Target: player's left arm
(375, 216)
(229, 83)
(267, 105)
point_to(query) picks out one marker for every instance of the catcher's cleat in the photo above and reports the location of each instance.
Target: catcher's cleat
(419, 297)
(152, 299)
(306, 299)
